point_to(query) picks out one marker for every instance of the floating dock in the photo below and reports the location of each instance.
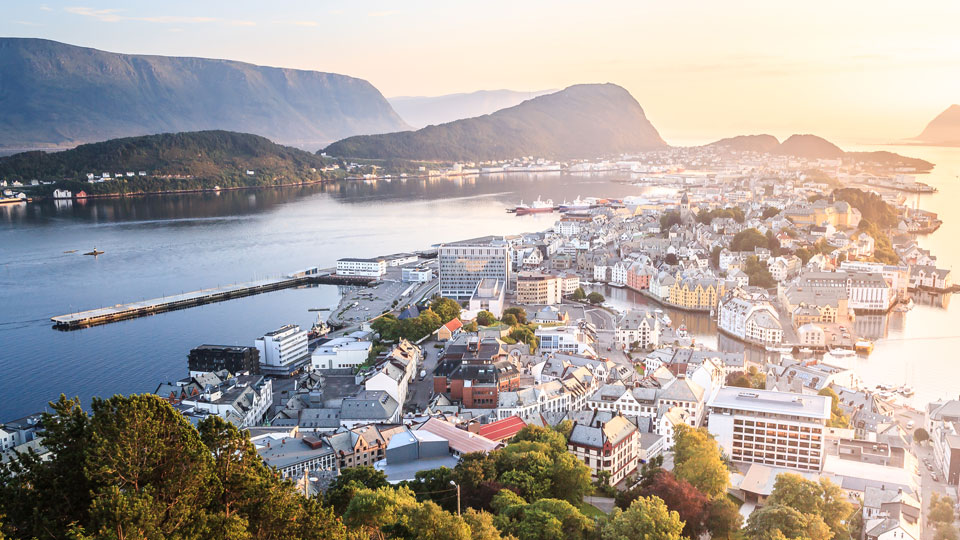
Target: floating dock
(133, 310)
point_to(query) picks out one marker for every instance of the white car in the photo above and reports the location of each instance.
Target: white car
(910, 424)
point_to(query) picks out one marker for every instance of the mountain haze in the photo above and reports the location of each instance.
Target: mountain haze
(810, 147)
(420, 111)
(749, 143)
(586, 120)
(944, 130)
(56, 95)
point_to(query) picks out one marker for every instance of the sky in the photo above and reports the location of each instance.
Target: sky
(854, 71)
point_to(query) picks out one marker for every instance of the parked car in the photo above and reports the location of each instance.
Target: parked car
(935, 477)
(910, 424)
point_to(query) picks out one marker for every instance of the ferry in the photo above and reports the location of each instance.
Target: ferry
(577, 204)
(781, 350)
(319, 329)
(863, 346)
(536, 207)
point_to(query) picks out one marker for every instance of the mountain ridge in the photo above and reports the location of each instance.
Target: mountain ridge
(422, 111)
(585, 120)
(54, 94)
(943, 130)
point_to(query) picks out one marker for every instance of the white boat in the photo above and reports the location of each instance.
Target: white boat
(841, 353)
(577, 204)
(536, 207)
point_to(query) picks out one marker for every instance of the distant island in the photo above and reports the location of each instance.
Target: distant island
(813, 147)
(169, 162)
(421, 111)
(582, 121)
(944, 130)
(54, 95)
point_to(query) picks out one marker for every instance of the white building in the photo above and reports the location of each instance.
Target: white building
(811, 335)
(610, 446)
(416, 274)
(568, 339)
(283, 350)
(749, 318)
(62, 194)
(638, 326)
(488, 296)
(243, 401)
(295, 456)
(777, 429)
(361, 267)
(340, 353)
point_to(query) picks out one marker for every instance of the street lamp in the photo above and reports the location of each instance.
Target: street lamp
(453, 483)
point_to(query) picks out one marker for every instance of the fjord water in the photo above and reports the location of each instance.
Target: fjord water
(165, 245)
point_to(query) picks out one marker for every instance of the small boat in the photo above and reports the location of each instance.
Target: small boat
(906, 391)
(841, 352)
(70, 251)
(319, 328)
(95, 252)
(864, 346)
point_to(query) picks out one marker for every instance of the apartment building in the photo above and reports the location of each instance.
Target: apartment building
(778, 429)
(610, 446)
(534, 288)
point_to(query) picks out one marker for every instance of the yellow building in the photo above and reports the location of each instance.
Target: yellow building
(696, 294)
(822, 213)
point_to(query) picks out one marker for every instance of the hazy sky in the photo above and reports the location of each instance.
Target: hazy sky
(869, 71)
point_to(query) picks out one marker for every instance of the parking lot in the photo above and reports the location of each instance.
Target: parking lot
(359, 304)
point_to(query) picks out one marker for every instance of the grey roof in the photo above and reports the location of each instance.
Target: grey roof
(682, 389)
(368, 405)
(766, 401)
(287, 451)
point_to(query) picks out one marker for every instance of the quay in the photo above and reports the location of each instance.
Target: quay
(133, 310)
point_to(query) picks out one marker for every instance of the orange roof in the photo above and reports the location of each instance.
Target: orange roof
(454, 325)
(502, 430)
(460, 440)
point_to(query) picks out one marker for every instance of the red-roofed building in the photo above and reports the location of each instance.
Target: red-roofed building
(502, 430)
(447, 331)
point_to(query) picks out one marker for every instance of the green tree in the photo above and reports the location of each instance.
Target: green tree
(698, 460)
(941, 510)
(446, 308)
(747, 240)
(771, 520)
(579, 294)
(758, 273)
(669, 219)
(509, 319)
(820, 502)
(723, 518)
(715, 256)
(595, 298)
(481, 525)
(921, 435)
(769, 212)
(349, 482)
(518, 312)
(523, 334)
(380, 512)
(485, 318)
(647, 518)
(429, 522)
(945, 531)
(837, 418)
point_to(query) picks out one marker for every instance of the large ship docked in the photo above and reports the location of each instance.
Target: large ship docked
(536, 207)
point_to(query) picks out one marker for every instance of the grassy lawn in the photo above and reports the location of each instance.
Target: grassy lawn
(590, 510)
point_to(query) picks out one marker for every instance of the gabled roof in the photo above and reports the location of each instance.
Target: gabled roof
(502, 430)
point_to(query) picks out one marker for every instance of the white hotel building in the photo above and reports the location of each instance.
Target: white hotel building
(361, 267)
(283, 350)
(778, 429)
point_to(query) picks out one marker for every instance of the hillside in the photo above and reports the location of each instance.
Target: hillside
(171, 160)
(582, 121)
(944, 130)
(420, 111)
(813, 147)
(748, 143)
(810, 147)
(58, 95)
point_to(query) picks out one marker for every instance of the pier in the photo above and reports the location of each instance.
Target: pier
(133, 310)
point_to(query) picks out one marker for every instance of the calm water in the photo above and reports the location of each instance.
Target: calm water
(164, 245)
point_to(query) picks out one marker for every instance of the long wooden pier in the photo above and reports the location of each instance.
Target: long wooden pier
(120, 312)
